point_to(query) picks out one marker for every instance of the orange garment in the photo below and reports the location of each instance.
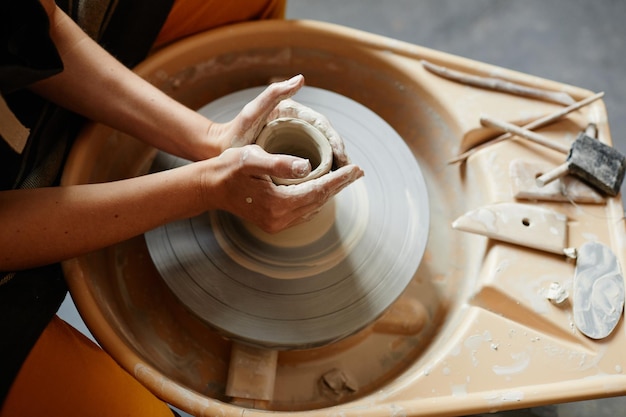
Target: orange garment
(193, 16)
(66, 374)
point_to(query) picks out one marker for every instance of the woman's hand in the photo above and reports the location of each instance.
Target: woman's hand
(239, 182)
(242, 177)
(273, 103)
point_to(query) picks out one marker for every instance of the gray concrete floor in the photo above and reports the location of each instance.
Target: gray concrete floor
(578, 42)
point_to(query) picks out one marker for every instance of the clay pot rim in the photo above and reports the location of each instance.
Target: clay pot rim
(316, 137)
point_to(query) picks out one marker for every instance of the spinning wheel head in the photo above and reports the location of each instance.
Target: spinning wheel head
(321, 281)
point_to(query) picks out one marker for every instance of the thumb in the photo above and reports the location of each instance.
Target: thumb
(260, 162)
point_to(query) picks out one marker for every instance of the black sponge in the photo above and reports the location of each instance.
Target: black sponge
(597, 163)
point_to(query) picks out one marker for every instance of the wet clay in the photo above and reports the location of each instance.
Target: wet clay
(292, 136)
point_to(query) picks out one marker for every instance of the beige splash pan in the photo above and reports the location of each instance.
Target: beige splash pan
(491, 341)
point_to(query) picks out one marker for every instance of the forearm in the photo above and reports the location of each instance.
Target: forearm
(97, 86)
(48, 225)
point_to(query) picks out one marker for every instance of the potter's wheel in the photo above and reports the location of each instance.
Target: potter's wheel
(316, 283)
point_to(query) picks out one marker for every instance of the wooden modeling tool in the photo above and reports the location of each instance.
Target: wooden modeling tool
(524, 133)
(596, 163)
(592, 161)
(541, 122)
(498, 84)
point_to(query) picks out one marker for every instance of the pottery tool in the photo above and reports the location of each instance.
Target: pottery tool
(524, 133)
(598, 286)
(541, 122)
(524, 174)
(521, 224)
(318, 282)
(593, 161)
(598, 291)
(251, 375)
(498, 84)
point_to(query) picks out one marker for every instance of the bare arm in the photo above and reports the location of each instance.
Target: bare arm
(45, 225)
(96, 85)
(41, 226)
(48, 225)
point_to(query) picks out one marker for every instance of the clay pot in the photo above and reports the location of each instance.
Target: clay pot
(292, 136)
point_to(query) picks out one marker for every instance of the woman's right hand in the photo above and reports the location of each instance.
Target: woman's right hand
(239, 182)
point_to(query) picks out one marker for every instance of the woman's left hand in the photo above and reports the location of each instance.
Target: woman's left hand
(273, 103)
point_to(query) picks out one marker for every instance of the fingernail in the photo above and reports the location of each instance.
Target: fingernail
(301, 167)
(294, 80)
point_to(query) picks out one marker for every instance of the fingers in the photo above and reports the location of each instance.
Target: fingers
(258, 163)
(252, 195)
(275, 102)
(254, 115)
(277, 92)
(305, 200)
(291, 108)
(321, 189)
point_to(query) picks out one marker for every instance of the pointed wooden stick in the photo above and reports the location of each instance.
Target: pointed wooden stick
(525, 133)
(541, 122)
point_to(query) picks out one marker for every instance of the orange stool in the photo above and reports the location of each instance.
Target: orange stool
(66, 374)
